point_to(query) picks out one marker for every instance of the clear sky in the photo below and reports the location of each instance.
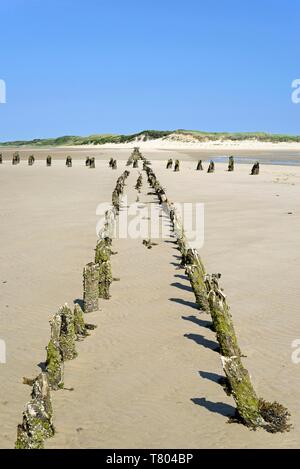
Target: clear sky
(78, 67)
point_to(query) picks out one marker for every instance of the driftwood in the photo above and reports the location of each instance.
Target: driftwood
(199, 166)
(1, 158)
(37, 422)
(176, 166)
(92, 163)
(48, 160)
(90, 287)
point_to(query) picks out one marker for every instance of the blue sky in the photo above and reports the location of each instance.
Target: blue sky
(78, 67)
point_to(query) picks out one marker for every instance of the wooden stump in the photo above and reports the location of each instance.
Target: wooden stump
(211, 167)
(91, 287)
(37, 422)
(67, 334)
(54, 361)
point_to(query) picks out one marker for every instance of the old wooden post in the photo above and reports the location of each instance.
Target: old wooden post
(91, 287)
(169, 163)
(176, 167)
(54, 361)
(37, 422)
(69, 162)
(67, 333)
(255, 169)
(211, 167)
(48, 160)
(31, 160)
(221, 317)
(199, 166)
(231, 164)
(105, 279)
(80, 327)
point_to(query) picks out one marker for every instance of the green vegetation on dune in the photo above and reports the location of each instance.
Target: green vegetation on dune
(100, 139)
(259, 136)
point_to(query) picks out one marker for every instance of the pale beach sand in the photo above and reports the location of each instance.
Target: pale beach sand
(147, 376)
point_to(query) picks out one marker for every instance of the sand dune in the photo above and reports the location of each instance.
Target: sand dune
(147, 376)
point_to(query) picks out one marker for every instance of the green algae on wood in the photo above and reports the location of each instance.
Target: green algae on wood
(90, 287)
(246, 400)
(79, 324)
(105, 279)
(54, 360)
(37, 424)
(197, 283)
(67, 334)
(221, 317)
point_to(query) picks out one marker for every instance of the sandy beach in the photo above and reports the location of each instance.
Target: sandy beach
(148, 375)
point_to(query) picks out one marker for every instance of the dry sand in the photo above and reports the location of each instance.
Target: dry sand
(147, 376)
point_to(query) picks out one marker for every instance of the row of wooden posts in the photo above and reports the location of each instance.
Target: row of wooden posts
(89, 162)
(211, 166)
(133, 160)
(251, 410)
(67, 327)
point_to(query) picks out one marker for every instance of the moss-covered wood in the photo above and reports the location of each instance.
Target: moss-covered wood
(54, 360)
(91, 287)
(221, 317)
(37, 424)
(247, 402)
(80, 327)
(105, 279)
(251, 410)
(196, 279)
(103, 250)
(67, 334)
